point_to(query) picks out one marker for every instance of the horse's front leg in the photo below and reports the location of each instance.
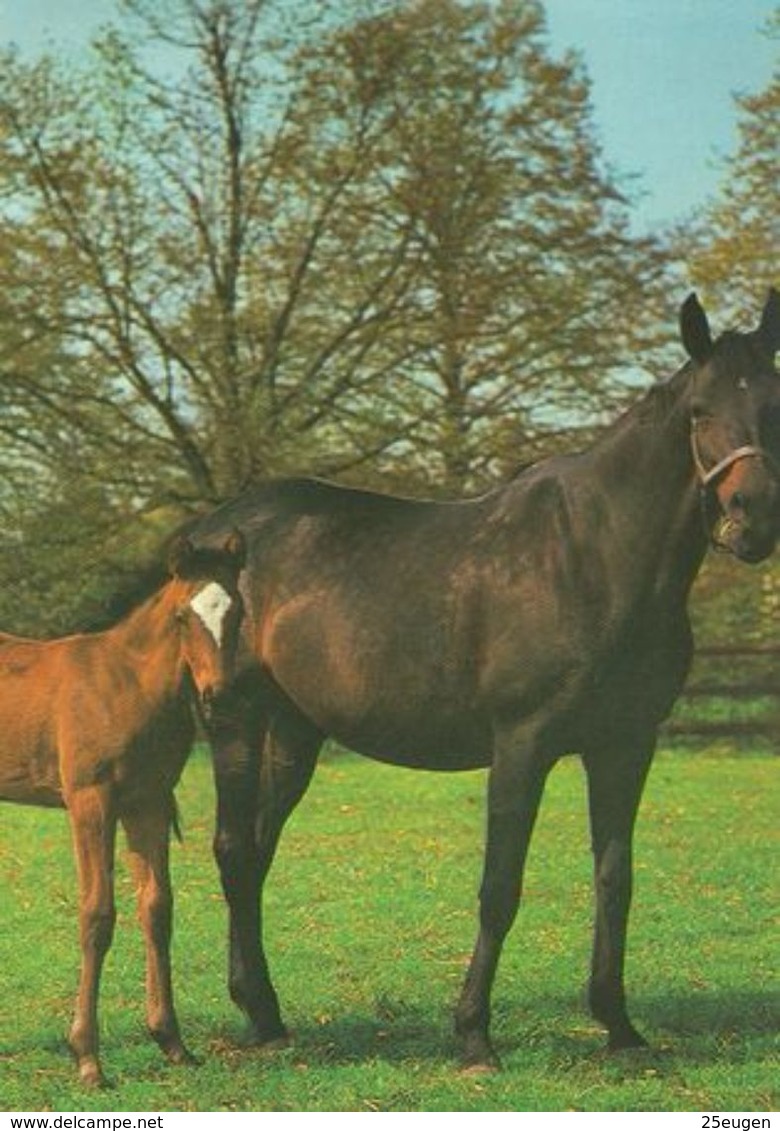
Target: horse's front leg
(257, 790)
(515, 788)
(93, 824)
(148, 838)
(615, 780)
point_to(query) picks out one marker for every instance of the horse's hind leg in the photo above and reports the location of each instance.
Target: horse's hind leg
(148, 837)
(259, 781)
(94, 826)
(615, 781)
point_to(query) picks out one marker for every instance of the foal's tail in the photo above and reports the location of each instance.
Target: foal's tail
(176, 819)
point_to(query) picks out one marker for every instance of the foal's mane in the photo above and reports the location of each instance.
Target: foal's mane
(134, 587)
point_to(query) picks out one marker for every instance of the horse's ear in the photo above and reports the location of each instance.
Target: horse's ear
(769, 327)
(695, 330)
(179, 554)
(235, 546)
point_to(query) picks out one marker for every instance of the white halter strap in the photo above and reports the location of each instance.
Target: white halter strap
(708, 475)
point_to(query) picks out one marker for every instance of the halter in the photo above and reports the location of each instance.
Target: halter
(707, 477)
(746, 451)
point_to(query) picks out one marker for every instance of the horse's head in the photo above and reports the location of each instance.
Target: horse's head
(735, 427)
(208, 610)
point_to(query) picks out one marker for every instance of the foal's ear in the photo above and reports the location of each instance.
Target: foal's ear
(769, 328)
(695, 330)
(235, 546)
(180, 553)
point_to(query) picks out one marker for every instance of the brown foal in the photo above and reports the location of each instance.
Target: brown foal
(102, 724)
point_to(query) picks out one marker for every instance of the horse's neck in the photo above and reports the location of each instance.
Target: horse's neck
(645, 464)
(147, 641)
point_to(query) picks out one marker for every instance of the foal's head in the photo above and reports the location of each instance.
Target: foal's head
(735, 427)
(208, 610)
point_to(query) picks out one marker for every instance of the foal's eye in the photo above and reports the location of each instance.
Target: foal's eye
(180, 616)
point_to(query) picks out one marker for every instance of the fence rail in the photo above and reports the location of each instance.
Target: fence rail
(733, 693)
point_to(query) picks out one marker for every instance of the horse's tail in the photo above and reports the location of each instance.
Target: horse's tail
(176, 819)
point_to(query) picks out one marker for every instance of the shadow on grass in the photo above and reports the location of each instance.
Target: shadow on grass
(21, 1042)
(711, 1013)
(400, 1032)
(352, 1038)
(692, 1026)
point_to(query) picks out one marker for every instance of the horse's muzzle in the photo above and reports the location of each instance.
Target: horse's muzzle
(748, 542)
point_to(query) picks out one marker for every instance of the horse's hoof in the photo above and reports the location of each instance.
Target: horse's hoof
(479, 1059)
(263, 1041)
(481, 1068)
(626, 1038)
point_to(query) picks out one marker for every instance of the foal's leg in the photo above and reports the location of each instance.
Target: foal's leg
(515, 788)
(148, 837)
(615, 782)
(93, 822)
(256, 792)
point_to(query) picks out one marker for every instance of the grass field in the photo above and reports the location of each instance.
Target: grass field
(371, 913)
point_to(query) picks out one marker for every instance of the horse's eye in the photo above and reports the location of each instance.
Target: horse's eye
(770, 426)
(180, 616)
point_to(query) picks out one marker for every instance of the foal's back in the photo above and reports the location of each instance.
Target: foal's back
(33, 682)
(69, 717)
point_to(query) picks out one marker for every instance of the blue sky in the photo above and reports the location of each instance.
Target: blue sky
(663, 74)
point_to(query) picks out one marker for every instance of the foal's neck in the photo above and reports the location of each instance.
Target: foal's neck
(148, 640)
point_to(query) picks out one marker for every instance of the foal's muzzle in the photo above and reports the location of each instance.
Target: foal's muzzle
(207, 697)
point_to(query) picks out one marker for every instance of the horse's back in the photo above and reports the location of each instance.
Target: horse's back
(397, 624)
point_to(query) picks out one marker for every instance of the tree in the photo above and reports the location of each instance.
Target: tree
(734, 258)
(154, 196)
(734, 262)
(527, 295)
(379, 246)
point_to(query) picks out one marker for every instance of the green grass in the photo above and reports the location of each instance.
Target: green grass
(371, 911)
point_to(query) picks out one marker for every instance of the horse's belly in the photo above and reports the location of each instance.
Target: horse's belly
(435, 740)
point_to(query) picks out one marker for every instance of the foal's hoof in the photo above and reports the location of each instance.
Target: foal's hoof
(183, 1056)
(91, 1076)
(173, 1048)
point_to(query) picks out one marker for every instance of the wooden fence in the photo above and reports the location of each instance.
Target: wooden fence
(733, 692)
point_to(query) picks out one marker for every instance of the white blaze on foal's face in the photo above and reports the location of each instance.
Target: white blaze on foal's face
(212, 605)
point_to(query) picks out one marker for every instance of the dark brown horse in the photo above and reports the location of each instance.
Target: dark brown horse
(547, 617)
(102, 724)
